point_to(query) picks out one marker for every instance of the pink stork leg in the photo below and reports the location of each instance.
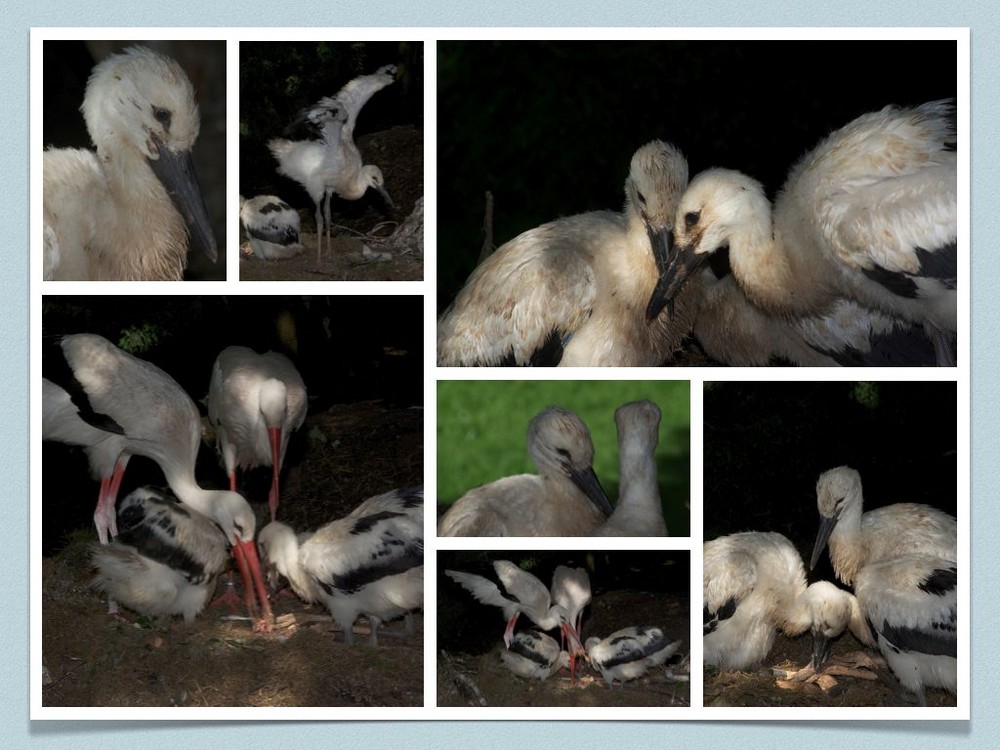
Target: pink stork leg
(104, 514)
(508, 633)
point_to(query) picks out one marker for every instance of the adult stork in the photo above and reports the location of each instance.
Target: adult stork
(126, 211)
(271, 226)
(255, 402)
(629, 653)
(534, 656)
(530, 597)
(910, 603)
(571, 591)
(858, 539)
(370, 562)
(165, 559)
(115, 406)
(639, 511)
(869, 215)
(574, 292)
(333, 164)
(565, 498)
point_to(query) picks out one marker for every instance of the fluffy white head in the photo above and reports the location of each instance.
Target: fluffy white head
(720, 206)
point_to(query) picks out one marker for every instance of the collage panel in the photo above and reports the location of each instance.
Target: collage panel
(583, 629)
(215, 421)
(830, 510)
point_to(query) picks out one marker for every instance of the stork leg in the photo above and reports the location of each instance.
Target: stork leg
(274, 434)
(319, 232)
(326, 216)
(105, 518)
(508, 633)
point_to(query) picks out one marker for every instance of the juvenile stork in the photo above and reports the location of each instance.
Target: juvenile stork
(571, 591)
(639, 511)
(115, 406)
(910, 603)
(333, 163)
(530, 597)
(165, 559)
(629, 653)
(869, 215)
(534, 656)
(370, 562)
(255, 402)
(574, 292)
(565, 498)
(858, 539)
(126, 211)
(271, 226)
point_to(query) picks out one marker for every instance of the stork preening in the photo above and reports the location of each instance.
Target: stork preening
(869, 215)
(333, 164)
(165, 559)
(115, 406)
(371, 562)
(271, 226)
(858, 539)
(534, 656)
(565, 498)
(574, 292)
(639, 511)
(255, 402)
(127, 211)
(571, 591)
(910, 603)
(629, 653)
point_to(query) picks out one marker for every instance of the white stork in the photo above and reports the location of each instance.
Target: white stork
(565, 498)
(571, 591)
(869, 215)
(271, 226)
(910, 603)
(858, 539)
(333, 164)
(534, 656)
(255, 402)
(165, 559)
(639, 511)
(629, 653)
(574, 292)
(125, 212)
(370, 562)
(115, 406)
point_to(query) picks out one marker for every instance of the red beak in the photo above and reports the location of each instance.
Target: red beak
(274, 434)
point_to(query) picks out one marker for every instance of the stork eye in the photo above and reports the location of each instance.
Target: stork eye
(641, 197)
(162, 116)
(691, 218)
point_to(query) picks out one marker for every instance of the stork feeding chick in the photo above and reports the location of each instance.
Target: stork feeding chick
(271, 226)
(126, 212)
(574, 292)
(870, 215)
(332, 164)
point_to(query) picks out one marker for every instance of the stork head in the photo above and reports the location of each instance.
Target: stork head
(278, 545)
(371, 177)
(837, 491)
(830, 610)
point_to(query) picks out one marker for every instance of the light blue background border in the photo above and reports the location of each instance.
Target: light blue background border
(18, 732)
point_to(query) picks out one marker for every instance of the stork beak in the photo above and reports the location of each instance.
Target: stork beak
(822, 537)
(662, 243)
(588, 482)
(820, 651)
(681, 267)
(274, 436)
(245, 552)
(175, 170)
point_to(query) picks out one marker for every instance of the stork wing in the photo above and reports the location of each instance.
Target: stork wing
(523, 586)
(571, 589)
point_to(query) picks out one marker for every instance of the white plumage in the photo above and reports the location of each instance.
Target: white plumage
(571, 591)
(165, 559)
(333, 164)
(271, 226)
(534, 656)
(629, 653)
(574, 292)
(639, 511)
(856, 540)
(370, 562)
(869, 215)
(124, 212)
(255, 402)
(565, 498)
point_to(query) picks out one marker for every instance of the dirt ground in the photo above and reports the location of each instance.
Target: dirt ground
(363, 234)
(92, 659)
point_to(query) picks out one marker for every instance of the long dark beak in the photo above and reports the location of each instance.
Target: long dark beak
(662, 243)
(821, 650)
(588, 482)
(822, 537)
(385, 196)
(683, 263)
(175, 170)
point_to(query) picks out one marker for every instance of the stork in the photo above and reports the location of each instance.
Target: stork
(565, 498)
(271, 226)
(530, 597)
(858, 539)
(571, 591)
(639, 511)
(115, 406)
(255, 402)
(629, 653)
(126, 211)
(574, 292)
(333, 164)
(534, 656)
(910, 603)
(869, 215)
(370, 562)
(165, 559)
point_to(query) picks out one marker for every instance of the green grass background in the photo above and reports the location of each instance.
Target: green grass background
(482, 427)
